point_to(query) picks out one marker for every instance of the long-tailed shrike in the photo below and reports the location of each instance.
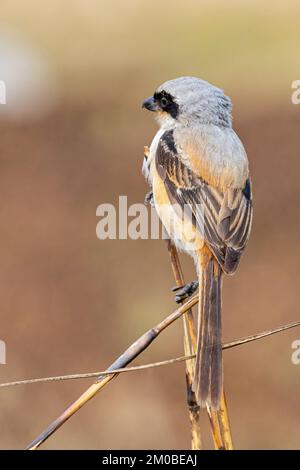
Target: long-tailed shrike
(198, 170)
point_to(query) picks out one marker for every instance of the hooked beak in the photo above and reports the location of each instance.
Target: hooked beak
(150, 104)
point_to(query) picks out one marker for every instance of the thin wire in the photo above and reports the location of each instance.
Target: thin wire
(87, 375)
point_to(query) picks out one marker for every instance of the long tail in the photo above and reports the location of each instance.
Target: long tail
(208, 380)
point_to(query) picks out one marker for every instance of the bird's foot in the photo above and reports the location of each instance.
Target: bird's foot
(149, 199)
(186, 291)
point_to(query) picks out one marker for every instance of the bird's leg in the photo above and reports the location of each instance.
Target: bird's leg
(186, 291)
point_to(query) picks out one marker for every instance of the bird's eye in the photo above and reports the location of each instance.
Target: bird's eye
(164, 102)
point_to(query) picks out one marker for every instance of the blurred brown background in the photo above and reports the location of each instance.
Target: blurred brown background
(71, 138)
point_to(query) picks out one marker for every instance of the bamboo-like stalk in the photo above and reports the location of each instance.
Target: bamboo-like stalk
(225, 424)
(167, 362)
(189, 341)
(131, 353)
(120, 364)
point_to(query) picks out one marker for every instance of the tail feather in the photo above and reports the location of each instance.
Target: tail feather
(208, 380)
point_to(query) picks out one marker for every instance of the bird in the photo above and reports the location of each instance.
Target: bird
(198, 172)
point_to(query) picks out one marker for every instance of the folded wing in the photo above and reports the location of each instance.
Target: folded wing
(223, 218)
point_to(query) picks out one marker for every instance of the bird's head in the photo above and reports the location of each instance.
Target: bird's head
(188, 101)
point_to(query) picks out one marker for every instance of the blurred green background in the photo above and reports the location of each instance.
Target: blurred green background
(71, 137)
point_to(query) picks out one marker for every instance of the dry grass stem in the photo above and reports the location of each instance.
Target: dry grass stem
(131, 353)
(167, 362)
(190, 344)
